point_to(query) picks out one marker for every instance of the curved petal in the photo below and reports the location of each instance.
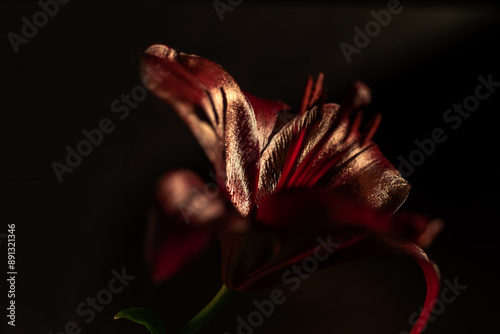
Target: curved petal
(358, 247)
(266, 113)
(218, 113)
(182, 222)
(366, 175)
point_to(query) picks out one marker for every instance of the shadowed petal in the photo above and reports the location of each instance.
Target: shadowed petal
(178, 248)
(247, 268)
(182, 222)
(287, 226)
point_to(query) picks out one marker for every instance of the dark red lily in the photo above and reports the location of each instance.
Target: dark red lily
(319, 175)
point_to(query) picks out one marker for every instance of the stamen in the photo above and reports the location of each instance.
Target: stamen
(355, 124)
(318, 86)
(358, 96)
(372, 128)
(307, 95)
(291, 156)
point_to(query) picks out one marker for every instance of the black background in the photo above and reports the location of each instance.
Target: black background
(70, 235)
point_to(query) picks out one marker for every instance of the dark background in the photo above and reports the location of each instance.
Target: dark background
(70, 235)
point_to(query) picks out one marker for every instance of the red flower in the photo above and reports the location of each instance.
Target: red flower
(318, 177)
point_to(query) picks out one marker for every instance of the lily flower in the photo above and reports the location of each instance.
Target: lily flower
(281, 188)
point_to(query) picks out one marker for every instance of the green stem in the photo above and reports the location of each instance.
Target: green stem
(221, 299)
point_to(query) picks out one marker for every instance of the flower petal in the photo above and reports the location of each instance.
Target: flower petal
(182, 222)
(266, 113)
(367, 176)
(164, 75)
(218, 113)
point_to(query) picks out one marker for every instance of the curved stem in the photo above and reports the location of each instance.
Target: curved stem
(221, 299)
